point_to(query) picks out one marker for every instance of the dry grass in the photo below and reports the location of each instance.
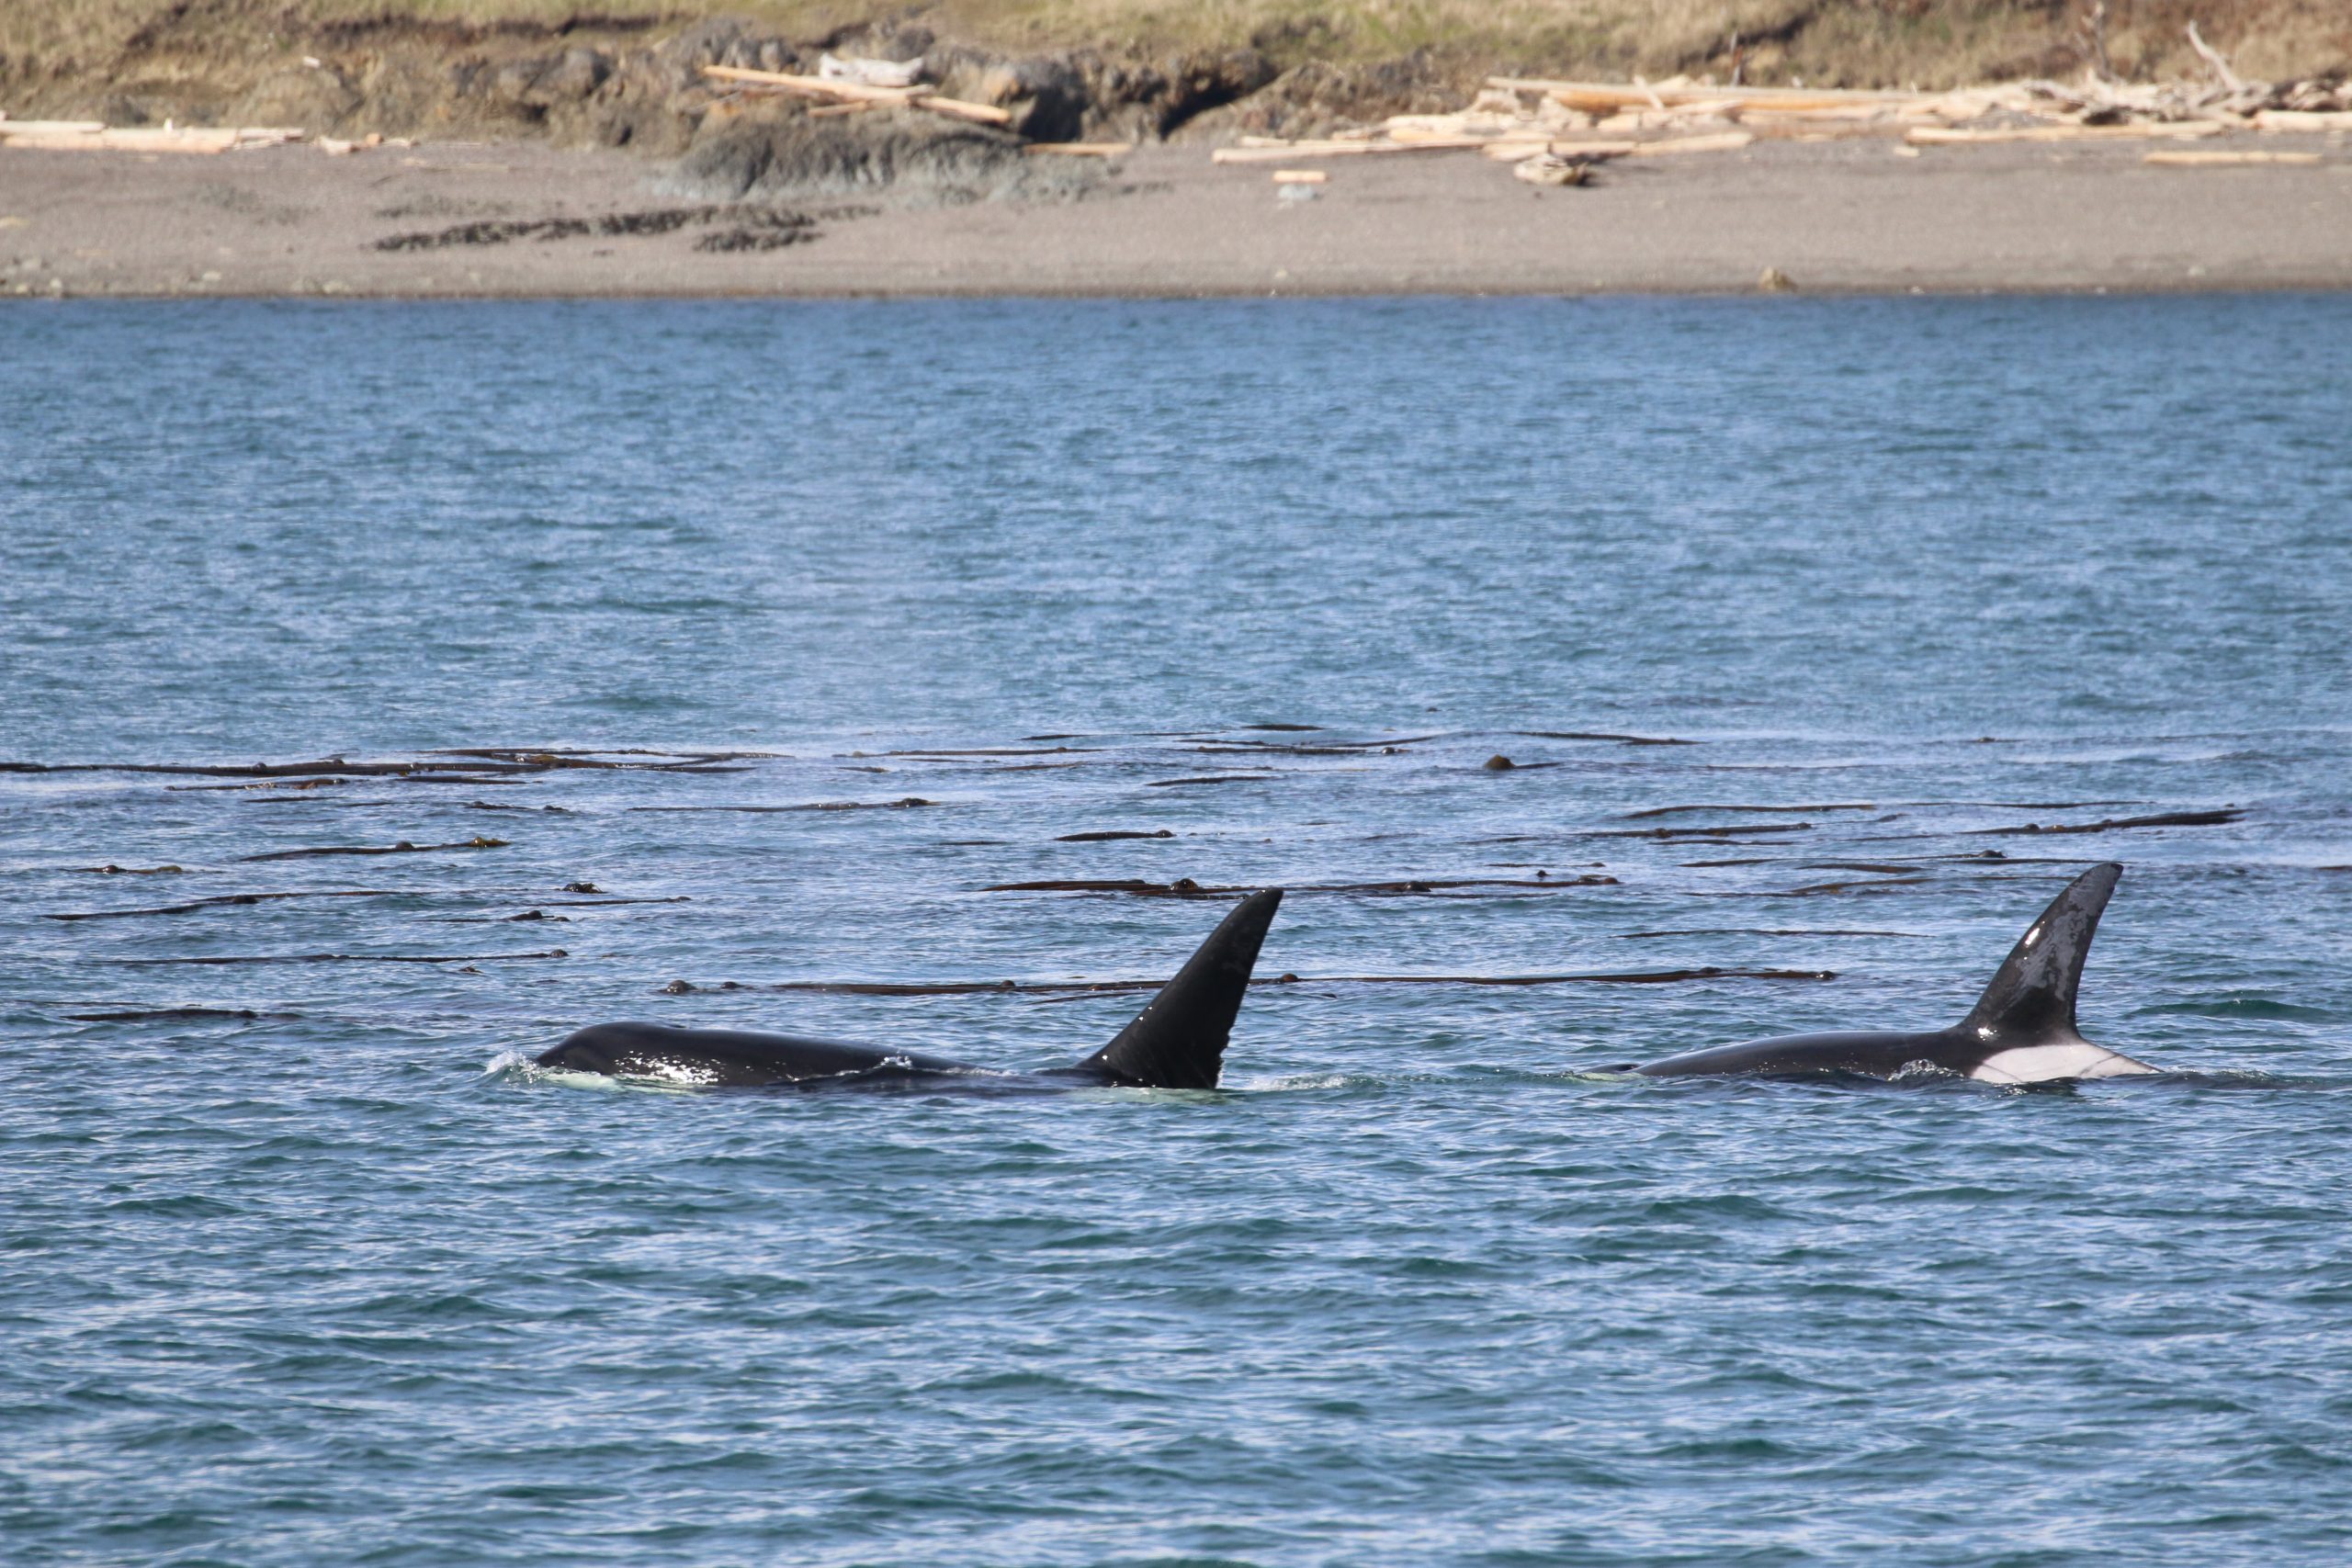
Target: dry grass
(1881, 43)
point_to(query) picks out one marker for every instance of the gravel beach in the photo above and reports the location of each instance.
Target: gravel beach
(524, 219)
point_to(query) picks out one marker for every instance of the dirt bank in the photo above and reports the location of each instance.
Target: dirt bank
(1084, 69)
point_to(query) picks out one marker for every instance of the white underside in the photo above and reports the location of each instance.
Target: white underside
(2040, 1064)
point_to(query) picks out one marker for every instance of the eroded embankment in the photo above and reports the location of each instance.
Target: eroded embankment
(632, 78)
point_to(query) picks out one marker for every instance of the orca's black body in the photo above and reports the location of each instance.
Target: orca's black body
(2022, 1030)
(1177, 1042)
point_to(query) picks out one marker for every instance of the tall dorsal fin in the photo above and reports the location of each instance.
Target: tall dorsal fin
(1178, 1040)
(2033, 993)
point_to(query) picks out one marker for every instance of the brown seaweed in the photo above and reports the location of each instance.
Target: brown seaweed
(1212, 779)
(2114, 824)
(1600, 735)
(340, 958)
(403, 848)
(1793, 810)
(153, 1014)
(1667, 835)
(1185, 888)
(228, 899)
(1754, 930)
(1076, 988)
(901, 804)
(1817, 888)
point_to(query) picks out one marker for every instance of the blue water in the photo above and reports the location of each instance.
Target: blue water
(345, 1281)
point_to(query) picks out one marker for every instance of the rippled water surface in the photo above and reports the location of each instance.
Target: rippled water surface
(301, 1263)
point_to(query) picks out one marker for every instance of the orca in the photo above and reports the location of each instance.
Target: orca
(2021, 1031)
(1177, 1042)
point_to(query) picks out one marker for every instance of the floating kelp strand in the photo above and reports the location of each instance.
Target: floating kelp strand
(155, 1015)
(1600, 735)
(228, 900)
(908, 803)
(2116, 824)
(403, 848)
(1070, 988)
(1185, 888)
(1794, 810)
(340, 958)
(1758, 931)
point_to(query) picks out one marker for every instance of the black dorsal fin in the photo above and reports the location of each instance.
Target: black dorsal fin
(2033, 994)
(1178, 1040)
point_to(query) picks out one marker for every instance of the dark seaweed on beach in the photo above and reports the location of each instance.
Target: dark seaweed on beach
(760, 229)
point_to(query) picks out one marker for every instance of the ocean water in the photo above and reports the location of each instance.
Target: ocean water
(301, 1263)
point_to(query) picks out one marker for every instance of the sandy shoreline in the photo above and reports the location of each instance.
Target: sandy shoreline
(1841, 215)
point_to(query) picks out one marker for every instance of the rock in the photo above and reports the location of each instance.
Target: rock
(1774, 281)
(916, 158)
(1499, 763)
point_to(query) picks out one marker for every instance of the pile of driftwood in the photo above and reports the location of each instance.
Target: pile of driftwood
(852, 86)
(1553, 130)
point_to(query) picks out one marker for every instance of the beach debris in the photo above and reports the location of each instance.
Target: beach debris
(2302, 120)
(1723, 141)
(96, 136)
(1551, 169)
(1080, 149)
(1772, 280)
(1511, 151)
(1300, 177)
(1944, 136)
(846, 91)
(870, 73)
(2230, 160)
(1539, 125)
